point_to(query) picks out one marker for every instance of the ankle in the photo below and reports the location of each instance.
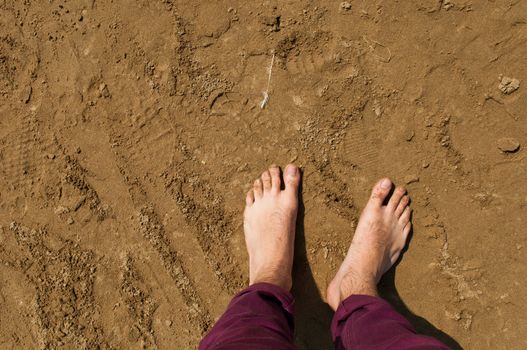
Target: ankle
(277, 279)
(355, 284)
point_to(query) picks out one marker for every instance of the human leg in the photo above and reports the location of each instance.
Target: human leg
(362, 319)
(261, 316)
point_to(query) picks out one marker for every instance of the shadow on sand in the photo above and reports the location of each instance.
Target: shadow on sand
(388, 292)
(313, 316)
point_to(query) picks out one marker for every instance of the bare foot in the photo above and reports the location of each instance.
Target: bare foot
(379, 238)
(269, 225)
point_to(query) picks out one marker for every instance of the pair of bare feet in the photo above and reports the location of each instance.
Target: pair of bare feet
(270, 221)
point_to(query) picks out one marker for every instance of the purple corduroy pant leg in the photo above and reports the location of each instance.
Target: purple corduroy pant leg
(259, 317)
(363, 322)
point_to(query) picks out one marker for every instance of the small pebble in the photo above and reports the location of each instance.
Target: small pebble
(70, 221)
(61, 210)
(411, 179)
(508, 144)
(508, 85)
(168, 323)
(377, 108)
(345, 5)
(103, 90)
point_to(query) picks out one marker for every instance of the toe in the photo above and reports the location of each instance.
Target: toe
(395, 199)
(292, 179)
(266, 181)
(379, 192)
(249, 199)
(394, 257)
(258, 189)
(274, 170)
(401, 206)
(405, 216)
(400, 241)
(406, 230)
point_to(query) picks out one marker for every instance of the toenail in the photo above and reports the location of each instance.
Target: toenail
(292, 171)
(386, 184)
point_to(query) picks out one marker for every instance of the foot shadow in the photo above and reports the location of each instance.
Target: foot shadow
(388, 291)
(312, 315)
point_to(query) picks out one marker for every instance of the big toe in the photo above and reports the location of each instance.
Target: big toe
(380, 192)
(292, 179)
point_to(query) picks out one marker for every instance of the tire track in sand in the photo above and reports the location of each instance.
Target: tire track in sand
(141, 306)
(204, 209)
(23, 154)
(144, 149)
(153, 231)
(19, 62)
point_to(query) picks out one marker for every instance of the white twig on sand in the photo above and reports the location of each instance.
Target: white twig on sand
(266, 92)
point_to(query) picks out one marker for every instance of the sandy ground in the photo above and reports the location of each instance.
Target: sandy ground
(130, 131)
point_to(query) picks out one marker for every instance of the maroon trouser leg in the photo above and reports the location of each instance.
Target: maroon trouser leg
(261, 317)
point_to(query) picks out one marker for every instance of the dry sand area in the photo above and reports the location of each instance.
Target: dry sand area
(131, 130)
